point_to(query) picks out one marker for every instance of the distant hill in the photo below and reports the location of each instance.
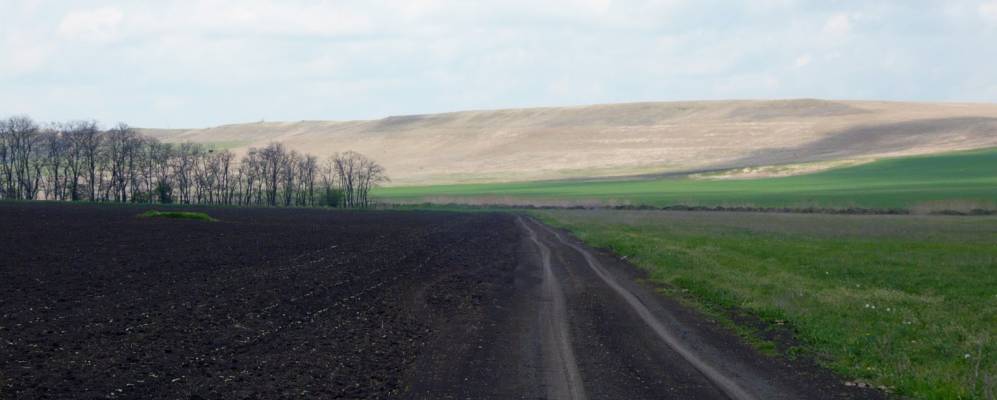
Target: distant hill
(623, 139)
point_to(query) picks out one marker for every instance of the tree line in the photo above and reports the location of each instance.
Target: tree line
(77, 161)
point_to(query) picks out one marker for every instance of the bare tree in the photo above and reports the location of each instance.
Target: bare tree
(308, 169)
(54, 153)
(146, 175)
(76, 161)
(372, 174)
(6, 162)
(357, 176)
(346, 166)
(74, 133)
(122, 143)
(225, 188)
(185, 159)
(330, 194)
(21, 163)
(289, 174)
(250, 170)
(273, 158)
(88, 141)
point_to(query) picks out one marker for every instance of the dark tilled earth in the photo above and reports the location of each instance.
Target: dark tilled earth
(292, 303)
(266, 303)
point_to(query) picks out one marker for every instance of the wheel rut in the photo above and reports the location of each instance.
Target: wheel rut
(561, 376)
(731, 388)
(631, 342)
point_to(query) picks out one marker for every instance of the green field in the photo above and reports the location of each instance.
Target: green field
(906, 302)
(955, 180)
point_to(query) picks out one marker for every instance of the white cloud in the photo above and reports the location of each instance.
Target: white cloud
(98, 25)
(277, 17)
(207, 62)
(802, 61)
(988, 11)
(20, 54)
(168, 103)
(838, 25)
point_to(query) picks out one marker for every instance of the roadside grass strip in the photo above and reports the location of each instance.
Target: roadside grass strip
(906, 303)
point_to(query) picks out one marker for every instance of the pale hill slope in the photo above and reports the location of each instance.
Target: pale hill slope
(624, 139)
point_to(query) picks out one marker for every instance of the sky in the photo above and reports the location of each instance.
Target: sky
(189, 64)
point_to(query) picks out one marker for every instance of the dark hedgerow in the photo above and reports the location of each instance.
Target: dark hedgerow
(199, 216)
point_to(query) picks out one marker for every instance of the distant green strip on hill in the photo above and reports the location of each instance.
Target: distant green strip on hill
(969, 177)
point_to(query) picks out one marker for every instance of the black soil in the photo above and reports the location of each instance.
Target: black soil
(291, 303)
(266, 303)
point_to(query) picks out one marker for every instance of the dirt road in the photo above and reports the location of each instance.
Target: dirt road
(96, 303)
(578, 325)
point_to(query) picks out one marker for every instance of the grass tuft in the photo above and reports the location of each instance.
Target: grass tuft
(198, 216)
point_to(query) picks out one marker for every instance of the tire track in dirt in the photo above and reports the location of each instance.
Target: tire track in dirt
(720, 380)
(561, 374)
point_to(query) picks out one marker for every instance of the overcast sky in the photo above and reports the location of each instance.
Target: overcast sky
(203, 63)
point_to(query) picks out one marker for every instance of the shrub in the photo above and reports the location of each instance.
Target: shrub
(199, 216)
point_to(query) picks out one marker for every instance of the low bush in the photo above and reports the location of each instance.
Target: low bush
(199, 216)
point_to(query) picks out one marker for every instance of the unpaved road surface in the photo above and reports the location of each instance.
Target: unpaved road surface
(96, 303)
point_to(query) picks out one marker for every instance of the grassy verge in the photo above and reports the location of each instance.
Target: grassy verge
(198, 216)
(908, 302)
(964, 180)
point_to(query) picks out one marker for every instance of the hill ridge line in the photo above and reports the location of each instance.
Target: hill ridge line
(622, 139)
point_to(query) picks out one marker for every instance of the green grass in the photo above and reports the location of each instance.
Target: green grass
(199, 216)
(909, 302)
(966, 177)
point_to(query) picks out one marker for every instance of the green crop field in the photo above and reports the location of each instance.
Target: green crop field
(906, 302)
(954, 180)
